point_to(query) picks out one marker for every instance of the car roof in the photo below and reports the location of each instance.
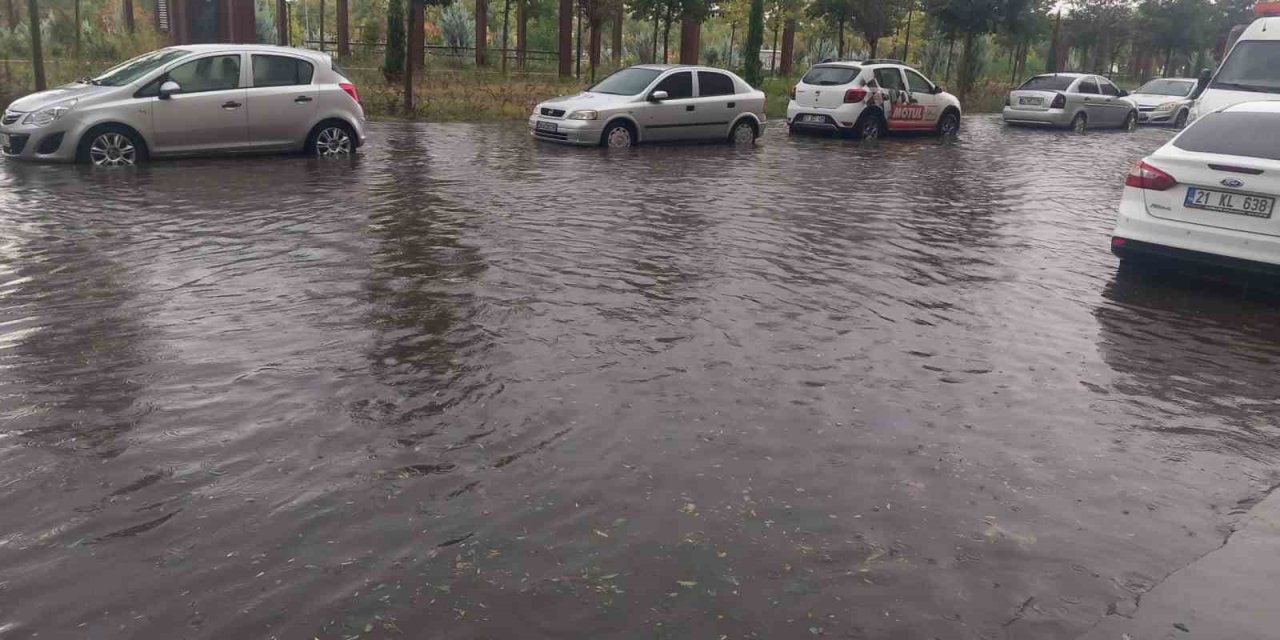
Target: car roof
(1065, 74)
(668, 67)
(1262, 29)
(1255, 106)
(210, 48)
(1174, 79)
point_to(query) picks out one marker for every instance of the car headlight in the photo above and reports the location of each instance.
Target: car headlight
(45, 117)
(1168, 106)
(584, 115)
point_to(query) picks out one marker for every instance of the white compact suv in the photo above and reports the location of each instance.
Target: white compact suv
(1209, 195)
(870, 98)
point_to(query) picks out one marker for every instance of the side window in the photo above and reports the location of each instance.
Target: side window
(151, 89)
(280, 71)
(215, 73)
(711, 83)
(677, 85)
(889, 78)
(1108, 88)
(917, 83)
(1087, 86)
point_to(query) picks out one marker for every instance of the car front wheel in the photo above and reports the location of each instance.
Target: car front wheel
(112, 147)
(743, 133)
(949, 125)
(1181, 120)
(618, 136)
(1130, 122)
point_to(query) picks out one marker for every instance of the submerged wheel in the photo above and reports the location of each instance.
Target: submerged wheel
(112, 146)
(1131, 122)
(331, 140)
(1180, 121)
(743, 133)
(870, 127)
(1080, 123)
(618, 136)
(949, 124)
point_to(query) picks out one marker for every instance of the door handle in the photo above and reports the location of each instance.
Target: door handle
(302, 99)
(689, 108)
(231, 104)
(732, 105)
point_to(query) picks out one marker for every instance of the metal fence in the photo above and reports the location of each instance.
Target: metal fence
(440, 50)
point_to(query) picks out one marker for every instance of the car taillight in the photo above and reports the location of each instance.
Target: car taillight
(792, 92)
(1059, 101)
(855, 95)
(350, 89)
(1145, 176)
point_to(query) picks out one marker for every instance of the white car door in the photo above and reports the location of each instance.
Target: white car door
(928, 105)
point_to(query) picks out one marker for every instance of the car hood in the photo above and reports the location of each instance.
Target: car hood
(1213, 99)
(44, 99)
(1153, 100)
(586, 100)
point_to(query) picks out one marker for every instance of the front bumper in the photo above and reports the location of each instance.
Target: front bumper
(1157, 117)
(1046, 118)
(1147, 234)
(578, 132)
(49, 144)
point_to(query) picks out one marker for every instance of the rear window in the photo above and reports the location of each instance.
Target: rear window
(711, 83)
(337, 68)
(280, 71)
(1235, 133)
(1047, 83)
(830, 75)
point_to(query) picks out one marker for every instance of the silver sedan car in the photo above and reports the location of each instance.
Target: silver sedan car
(649, 103)
(189, 100)
(1165, 101)
(1074, 100)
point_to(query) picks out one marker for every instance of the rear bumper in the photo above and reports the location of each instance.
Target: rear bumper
(1136, 249)
(1046, 118)
(838, 119)
(1144, 234)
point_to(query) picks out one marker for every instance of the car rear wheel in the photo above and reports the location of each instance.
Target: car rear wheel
(743, 133)
(870, 127)
(1130, 122)
(949, 124)
(112, 146)
(618, 136)
(332, 139)
(1080, 123)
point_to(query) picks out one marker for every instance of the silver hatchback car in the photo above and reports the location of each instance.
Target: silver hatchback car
(188, 100)
(1074, 100)
(653, 102)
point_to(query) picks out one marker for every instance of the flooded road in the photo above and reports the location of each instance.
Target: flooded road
(468, 386)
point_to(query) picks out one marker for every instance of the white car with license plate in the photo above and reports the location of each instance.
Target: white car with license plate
(870, 98)
(1209, 195)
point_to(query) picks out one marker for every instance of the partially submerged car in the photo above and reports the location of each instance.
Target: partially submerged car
(649, 103)
(870, 98)
(1077, 101)
(1165, 101)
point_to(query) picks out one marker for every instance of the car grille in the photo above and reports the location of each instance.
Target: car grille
(553, 113)
(1146, 108)
(551, 135)
(10, 117)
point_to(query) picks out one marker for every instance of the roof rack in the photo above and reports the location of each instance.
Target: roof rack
(883, 61)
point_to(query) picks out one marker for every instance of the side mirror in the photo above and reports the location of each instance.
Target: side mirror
(658, 96)
(1205, 74)
(168, 89)
(1123, 93)
(936, 89)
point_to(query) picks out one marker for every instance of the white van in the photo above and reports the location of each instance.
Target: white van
(1251, 71)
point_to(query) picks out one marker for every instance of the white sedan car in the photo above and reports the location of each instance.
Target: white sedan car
(870, 98)
(1209, 195)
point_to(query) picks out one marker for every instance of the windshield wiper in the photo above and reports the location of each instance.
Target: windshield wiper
(88, 80)
(1245, 87)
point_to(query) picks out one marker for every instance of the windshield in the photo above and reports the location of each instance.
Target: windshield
(1175, 88)
(1251, 66)
(833, 75)
(1047, 83)
(126, 72)
(627, 82)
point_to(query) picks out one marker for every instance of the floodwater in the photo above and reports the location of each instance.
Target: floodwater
(470, 386)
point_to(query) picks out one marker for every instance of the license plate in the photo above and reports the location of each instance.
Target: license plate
(547, 126)
(1034, 101)
(814, 118)
(1230, 202)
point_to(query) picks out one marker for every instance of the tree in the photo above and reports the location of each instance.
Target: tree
(837, 14)
(973, 19)
(393, 61)
(37, 52)
(416, 53)
(126, 8)
(565, 37)
(344, 28)
(482, 33)
(788, 47)
(596, 13)
(751, 66)
(1051, 60)
(875, 19)
(692, 14)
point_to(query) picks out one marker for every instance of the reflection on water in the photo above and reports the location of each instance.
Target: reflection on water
(466, 384)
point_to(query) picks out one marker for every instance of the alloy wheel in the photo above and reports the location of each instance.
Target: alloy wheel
(619, 138)
(743, 134)
(113, 149)
(333, 141)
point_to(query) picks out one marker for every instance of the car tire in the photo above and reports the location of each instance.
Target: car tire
(331, 139)
(111, 146)
(870, 127)
(1180, 121)
(1080, 123)
(743, 133)
(1130, 123)
(949, 124)
(618, 136)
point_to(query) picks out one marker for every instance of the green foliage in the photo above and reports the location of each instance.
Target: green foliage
(753, 70)
(457, 27)
(393, 62)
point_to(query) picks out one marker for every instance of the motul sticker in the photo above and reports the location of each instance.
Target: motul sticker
(907, 112)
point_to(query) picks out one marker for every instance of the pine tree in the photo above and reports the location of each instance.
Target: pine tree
(752, 68)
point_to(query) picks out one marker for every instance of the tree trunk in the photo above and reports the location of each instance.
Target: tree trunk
(1168, 61)
(344, 29)
(12, 14)
(951, 50)
(874, 45)
(126, 7)
(617, 38)
(506, 17)
(37, 52)
(733, 32)
(282, 23)
(322, 26)
(840, 41)
(76, 43)
(653, 55)
(788, 47)
(666, 37)
(415, 52)
(566, 38)
(482, 33)
(577, 60)
(522, 31)
(690, 37)
(593, 49)
(966, 65)
(906, 48)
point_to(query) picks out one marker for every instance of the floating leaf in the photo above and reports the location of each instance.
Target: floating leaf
(688, 584)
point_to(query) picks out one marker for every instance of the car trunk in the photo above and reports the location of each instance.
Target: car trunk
(821, 96)
(1228, 192)
(1031, 100)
